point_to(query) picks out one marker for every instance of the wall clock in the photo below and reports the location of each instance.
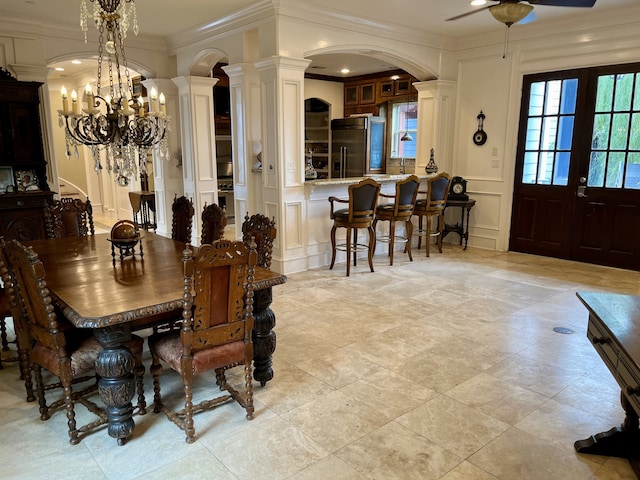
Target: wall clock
(480, 137)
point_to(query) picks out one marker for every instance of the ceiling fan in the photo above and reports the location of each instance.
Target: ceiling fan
(512, 11)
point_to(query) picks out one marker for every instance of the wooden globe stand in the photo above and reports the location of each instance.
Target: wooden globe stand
(125, 235)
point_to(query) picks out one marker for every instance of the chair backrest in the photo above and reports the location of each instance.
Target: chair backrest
(406, 193)
(438, 191)
(182, 219)
(70, 217)
(218, 293)
(24, 276)
(214, 219)
(363, 197)
(262, 230)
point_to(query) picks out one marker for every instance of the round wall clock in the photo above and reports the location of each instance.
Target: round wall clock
(480, 137)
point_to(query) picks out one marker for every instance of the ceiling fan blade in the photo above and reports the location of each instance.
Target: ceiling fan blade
(563, 3)
(528, 19)
(468, 13)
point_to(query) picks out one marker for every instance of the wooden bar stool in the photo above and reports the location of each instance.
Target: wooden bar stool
(400, 210)
(362, 203)
(432, 206)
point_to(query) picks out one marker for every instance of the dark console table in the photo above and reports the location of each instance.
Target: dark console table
(614, 331)
(461, 228)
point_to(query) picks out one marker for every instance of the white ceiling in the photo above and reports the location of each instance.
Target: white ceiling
(167, 17)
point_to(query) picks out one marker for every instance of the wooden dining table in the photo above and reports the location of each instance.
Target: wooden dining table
(96, 290)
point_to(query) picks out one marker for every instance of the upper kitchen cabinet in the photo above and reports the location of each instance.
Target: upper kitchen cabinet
(387, 87)
(364, 94)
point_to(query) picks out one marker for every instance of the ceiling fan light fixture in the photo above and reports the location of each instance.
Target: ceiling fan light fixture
(510, 13)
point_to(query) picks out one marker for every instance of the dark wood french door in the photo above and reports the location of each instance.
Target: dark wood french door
(577, 178)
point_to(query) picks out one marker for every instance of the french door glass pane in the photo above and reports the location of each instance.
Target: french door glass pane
(632, 178)
(552, 100)
(604, 97)
(530, 170)
(615, 140)
(636, 96)
(615, 170)
(533, 133)
(596, 169)
(624, 89)
(600, 137)
(561, 173)
(634, 139)
(536, 100)
(549, 138)
(569, 92)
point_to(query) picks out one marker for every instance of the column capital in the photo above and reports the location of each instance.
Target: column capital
(434, 85)
(239, 69)
(186, 83)
(280, 62)
(165, 85)
(30, 73)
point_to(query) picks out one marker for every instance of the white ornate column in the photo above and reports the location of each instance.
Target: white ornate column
(282, 112)
(167, 173)
(244, 88)
(197, 131)
(436, 110)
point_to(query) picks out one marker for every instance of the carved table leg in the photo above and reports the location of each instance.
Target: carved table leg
(115, 365)
(263, 336)
(623, 441)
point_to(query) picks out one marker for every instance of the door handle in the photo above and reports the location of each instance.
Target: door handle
(581, 190)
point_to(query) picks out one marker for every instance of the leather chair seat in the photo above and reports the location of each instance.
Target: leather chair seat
(169, 348)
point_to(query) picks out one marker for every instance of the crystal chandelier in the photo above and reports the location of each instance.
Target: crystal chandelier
(115, 122)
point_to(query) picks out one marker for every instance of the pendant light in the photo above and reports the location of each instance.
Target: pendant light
(406, 137)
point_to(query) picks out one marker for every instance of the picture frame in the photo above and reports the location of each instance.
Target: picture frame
(26, 181)
(6, 179)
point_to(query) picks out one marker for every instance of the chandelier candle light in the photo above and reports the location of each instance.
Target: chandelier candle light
(115, 121)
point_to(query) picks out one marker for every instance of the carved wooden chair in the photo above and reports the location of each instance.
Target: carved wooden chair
(359, 214)
(67, 352)
(262, 230)
(214, 219)
(216, 329)
(182, 219)
(432, 205)
(70, 217)
(5, 313)
(400, 210)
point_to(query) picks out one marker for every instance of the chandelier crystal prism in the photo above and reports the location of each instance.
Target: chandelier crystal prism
(113, 121)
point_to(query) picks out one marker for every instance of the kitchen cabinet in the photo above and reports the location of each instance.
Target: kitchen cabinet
(317, 135)
(24, 191)
(386, 88)
(364, 94)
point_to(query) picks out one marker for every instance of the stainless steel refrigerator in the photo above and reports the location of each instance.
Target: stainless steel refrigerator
(357, 145)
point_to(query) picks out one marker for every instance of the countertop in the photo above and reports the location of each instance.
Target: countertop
(350, 180)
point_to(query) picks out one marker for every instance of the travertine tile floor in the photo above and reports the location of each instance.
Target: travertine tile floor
(441, 368)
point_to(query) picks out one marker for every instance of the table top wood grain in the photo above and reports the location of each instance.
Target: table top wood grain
(94, 291)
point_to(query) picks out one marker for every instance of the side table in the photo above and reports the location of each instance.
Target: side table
(144, 203)
(461, 228)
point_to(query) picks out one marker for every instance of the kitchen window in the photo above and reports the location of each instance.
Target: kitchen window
(404, 119)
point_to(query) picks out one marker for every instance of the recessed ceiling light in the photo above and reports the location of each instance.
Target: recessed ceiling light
(344, 71)
(478, 2)
(59, 69)
(76, 62)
